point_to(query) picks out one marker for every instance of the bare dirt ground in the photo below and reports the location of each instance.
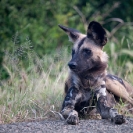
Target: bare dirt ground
(58, 126)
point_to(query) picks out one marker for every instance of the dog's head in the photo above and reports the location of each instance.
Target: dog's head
(87, 54)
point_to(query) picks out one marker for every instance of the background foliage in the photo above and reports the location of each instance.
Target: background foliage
(39, 20)
(31, 45)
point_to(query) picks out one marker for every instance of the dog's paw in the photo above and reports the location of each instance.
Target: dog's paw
(73, 118)
(119, 119)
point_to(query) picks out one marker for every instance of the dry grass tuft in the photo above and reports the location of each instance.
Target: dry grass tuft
(31, 92)
(34, 90)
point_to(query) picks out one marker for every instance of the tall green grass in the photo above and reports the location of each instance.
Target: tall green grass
(33, 90)
(35, 85)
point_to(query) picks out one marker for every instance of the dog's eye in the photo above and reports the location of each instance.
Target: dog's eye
(87, 51)
(73, 52)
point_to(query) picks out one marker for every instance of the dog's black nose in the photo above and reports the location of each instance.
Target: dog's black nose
(72, 65)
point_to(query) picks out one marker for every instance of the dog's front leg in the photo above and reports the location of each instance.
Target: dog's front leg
(105, 111)
(73, 96)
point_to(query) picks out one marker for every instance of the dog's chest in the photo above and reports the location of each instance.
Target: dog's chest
(87, 94)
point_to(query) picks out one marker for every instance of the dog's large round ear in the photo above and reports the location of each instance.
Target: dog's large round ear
(96, 32)
(72, 33)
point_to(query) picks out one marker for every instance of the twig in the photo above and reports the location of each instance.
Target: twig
(59, 114)
(116, 29)
(130, 109)
(82, 16)
(87, 107)
(54, 112)
(113, 19)
(119, 26)
(116, 5)
(97, 12)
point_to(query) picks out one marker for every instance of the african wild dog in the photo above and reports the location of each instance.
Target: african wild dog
(88, 80)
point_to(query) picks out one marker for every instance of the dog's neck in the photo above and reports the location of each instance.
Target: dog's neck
(91, 81)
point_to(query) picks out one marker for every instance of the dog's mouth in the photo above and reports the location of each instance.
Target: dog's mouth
(80, 72)
(75, 70)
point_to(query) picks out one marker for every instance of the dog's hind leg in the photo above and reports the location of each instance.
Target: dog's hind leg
(103, 107)
(119, 87)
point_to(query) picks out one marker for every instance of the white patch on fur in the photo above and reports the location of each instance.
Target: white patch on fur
(104, 57)
(113, 112)
(115, 78)
(78, 96)
(70, 39)
(103, 82)
(71, 93)
(101, 92)
(76, 81)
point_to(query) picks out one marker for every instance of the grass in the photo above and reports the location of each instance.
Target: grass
(35, 86)
(30, 93)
